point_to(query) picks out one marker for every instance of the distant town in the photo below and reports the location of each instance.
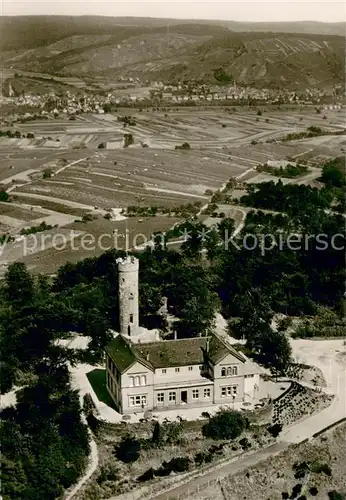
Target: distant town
(136, 94)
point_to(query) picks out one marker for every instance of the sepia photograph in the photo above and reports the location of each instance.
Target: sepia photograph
(172, 250)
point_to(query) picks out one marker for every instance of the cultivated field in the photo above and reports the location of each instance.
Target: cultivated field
(61, 175)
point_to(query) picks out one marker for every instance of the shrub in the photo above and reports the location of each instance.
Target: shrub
(128, 450)
(334, 495)
(107, 474)
(296, 490)
(200, 458)
(107, 216)
(205, 414)
(244, 443)
(186, 145)
(4, 196)
(275, 430)
(147, 476)
(226, 424)
(47, 173)
(163, 471)
(87, 218)
(178, 464)
(318, 468)
(300, 470)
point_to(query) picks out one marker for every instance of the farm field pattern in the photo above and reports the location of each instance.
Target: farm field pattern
(223, 144)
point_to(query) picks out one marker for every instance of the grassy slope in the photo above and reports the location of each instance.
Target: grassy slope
(86, 45)
(34, 31)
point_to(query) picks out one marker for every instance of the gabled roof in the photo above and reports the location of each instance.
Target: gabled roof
(123, 354)
(169, 353)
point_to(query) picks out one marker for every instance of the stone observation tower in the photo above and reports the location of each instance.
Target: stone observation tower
(128, 295)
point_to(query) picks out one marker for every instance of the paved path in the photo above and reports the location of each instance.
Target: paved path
(330, 357)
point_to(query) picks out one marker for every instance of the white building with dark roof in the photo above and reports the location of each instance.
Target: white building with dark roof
(171, 374)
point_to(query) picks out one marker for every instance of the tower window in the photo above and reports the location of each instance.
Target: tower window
(131, 318)
(131, 296)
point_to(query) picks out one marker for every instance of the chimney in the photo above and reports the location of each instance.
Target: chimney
(147, 356)
(207, 345)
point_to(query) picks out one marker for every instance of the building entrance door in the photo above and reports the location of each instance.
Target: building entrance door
(183, 397)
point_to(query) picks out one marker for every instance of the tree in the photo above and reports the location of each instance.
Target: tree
(157, 434)
(273, 349)
(47, 173)
(128, 140)
(226, 424)
(19, 285)
(333, 172)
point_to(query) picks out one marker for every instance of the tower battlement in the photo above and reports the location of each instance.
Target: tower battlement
(128, 264)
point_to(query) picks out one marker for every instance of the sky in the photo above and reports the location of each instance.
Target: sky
(254, 10)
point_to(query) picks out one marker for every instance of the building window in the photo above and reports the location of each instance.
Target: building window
(132, 381)
(235, 390)
(143, 380)
(172, 397)
(223, 372)
(164, 370)
(229, 371)
(228, 391)
(190, 368)
(177, 370)
(234, 370)
(206, 393)
(131, 318)
(131, 296)
(138, 400)
(137, 381)
(195, 394)
(160, 398)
